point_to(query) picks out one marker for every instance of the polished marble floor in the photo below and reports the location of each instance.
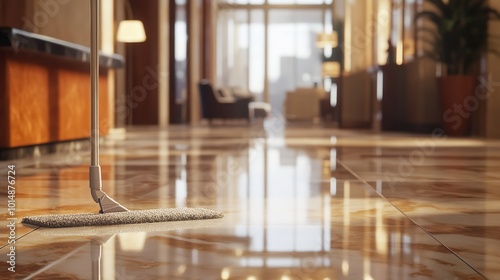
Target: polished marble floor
(299, 203)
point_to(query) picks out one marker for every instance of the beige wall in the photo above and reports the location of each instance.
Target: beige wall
(68, 20)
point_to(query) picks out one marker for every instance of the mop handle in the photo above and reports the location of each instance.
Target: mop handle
(94, 72)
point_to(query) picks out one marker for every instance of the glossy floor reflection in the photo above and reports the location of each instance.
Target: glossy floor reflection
(299, 203)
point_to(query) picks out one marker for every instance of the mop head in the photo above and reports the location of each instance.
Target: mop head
(121, 218)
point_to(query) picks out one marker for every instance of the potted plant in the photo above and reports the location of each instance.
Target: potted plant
(457, 39)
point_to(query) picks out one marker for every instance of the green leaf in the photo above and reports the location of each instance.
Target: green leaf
(460, 35)
(432, 16)
(440, 5)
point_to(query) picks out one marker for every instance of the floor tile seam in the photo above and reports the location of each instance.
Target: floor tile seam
(19, 238)
(409, 218)
(54, 263)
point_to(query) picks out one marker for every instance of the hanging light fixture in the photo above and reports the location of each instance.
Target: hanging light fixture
(330, 69)
(327, 40)
(130, 30)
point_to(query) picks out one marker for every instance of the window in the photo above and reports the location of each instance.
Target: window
(293, 58)
(292, 61)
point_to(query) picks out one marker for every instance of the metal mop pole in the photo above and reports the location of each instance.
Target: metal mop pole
(106, 203)
(94, 72)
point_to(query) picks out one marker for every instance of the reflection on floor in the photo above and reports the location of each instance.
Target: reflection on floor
(299, 203)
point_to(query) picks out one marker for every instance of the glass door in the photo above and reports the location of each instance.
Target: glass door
(269, 47)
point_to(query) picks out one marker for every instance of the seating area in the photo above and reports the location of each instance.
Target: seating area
(215, 106)
(301, 104)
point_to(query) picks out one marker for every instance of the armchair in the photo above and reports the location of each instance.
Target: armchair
(303, 104)
(214, 106)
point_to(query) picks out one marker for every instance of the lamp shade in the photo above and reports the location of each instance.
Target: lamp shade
(131, 31)
(331, 69)
(327, 40)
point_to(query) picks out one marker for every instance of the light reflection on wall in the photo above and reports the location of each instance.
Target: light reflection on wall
(383, 29)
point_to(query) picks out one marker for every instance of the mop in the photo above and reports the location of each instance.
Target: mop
(111, 212)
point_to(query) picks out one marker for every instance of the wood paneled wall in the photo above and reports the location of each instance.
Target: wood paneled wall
(67, 20)
(46, 99)
(142, 93)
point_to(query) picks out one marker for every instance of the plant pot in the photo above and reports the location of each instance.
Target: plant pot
(456, 93)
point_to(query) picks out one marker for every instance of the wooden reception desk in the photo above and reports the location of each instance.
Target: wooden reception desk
(45, 89)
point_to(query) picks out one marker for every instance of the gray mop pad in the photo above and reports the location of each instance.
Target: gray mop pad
(120, 218)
